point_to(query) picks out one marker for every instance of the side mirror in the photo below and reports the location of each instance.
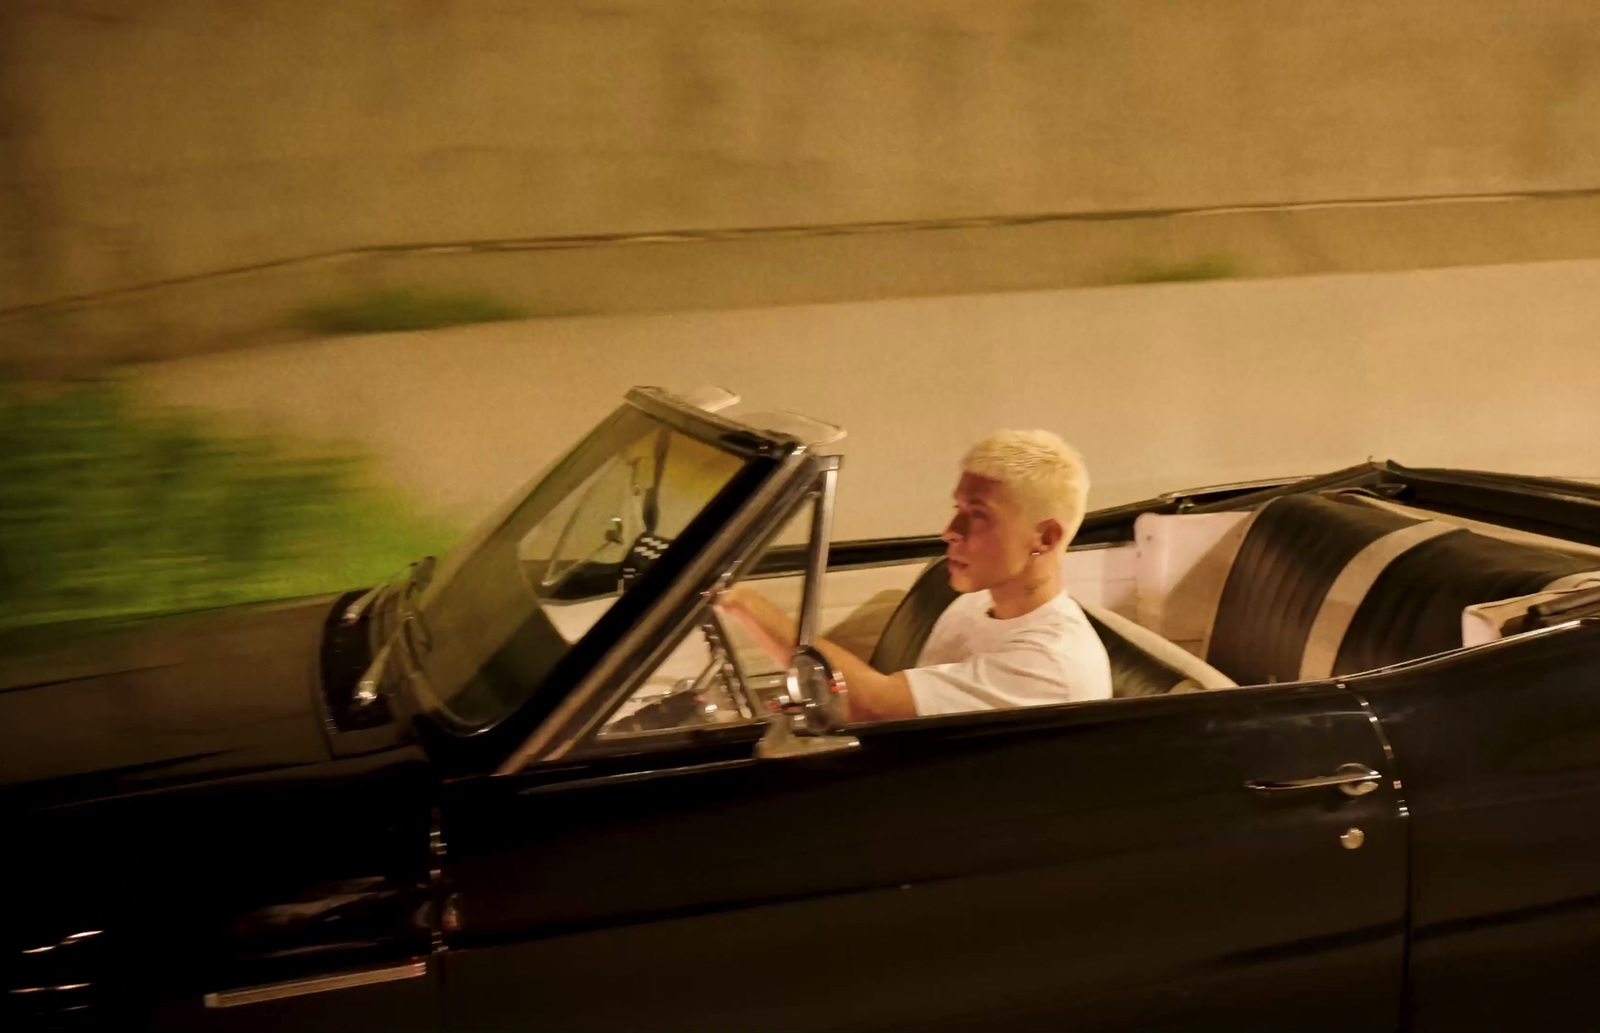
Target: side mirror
(817, 692)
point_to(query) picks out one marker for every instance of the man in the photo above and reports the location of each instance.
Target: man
(1013, 638)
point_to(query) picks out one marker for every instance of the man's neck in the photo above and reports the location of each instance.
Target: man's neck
(1023, 594)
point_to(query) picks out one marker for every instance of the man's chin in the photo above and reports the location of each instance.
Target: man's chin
(960, 579)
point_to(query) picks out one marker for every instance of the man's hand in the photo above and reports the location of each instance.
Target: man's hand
(873, 696)
(772, 629)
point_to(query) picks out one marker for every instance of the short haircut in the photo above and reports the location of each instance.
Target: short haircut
(1046, 475)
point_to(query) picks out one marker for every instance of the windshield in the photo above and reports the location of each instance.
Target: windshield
(511, 603)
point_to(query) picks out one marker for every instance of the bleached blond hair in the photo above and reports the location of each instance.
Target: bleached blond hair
(1046, 475)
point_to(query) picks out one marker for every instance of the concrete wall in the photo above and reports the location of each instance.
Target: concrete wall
(1162, 386)
(146, 140)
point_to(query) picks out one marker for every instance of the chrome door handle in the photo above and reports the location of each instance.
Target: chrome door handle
(1352, 780)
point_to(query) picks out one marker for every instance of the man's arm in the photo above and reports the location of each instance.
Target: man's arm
(873, 696)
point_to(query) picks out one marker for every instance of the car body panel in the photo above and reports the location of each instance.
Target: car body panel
(1499, 750)
(210, 886)
(128, 706)
(173, 793)
(1103, 866)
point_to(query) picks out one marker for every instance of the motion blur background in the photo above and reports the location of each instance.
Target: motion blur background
(291, 292)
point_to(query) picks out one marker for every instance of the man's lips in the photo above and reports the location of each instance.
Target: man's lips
(955, 564)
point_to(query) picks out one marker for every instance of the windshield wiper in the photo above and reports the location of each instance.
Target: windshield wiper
(359, 606)
(369, 599)
(367, 688)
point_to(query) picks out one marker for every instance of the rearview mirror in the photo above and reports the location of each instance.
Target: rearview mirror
(817, 691)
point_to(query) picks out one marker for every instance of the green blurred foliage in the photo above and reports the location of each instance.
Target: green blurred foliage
(1206, 267)
(109, 508)
(406, 308)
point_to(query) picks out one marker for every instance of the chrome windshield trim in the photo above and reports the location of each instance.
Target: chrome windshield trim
(587, 704)
(742, 559)
(712, 428)
(1494, 645)
(817, 552)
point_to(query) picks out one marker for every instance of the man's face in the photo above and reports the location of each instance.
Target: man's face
(988, 540)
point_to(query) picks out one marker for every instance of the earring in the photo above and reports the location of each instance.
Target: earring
(1036, 552)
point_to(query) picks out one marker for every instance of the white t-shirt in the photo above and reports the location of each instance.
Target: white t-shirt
(973, 661)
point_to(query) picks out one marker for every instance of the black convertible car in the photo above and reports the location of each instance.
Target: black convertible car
(1351, 778)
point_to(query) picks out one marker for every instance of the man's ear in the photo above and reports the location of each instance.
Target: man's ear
(1049, 534)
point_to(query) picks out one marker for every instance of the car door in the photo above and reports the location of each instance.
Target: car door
(1500, 751)
(1090, 866)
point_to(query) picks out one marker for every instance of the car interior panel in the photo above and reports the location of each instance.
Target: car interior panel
(1489, 622)
(1181, 564)
(1106, 576)
(1414, 608)
(1305, 586)
(1142, 663)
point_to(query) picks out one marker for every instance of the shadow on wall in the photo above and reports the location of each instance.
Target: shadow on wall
(111, 509)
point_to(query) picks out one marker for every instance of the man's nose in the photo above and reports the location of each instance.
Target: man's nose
(955, 530)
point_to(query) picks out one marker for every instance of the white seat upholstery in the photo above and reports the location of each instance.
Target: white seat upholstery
(1200, 675)
(1181, 567)
(1483, 622)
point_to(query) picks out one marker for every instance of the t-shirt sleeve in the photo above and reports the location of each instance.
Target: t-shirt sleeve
(1022, 675)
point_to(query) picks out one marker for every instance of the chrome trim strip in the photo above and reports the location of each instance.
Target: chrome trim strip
(708, 426)
(63, 988)
(1449, 654)
(315, 985)
(622, 778)
(1403, 809)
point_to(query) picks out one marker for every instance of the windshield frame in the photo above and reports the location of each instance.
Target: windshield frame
(812, 493)
(676, 413)
(659, 627)
(771, 461)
